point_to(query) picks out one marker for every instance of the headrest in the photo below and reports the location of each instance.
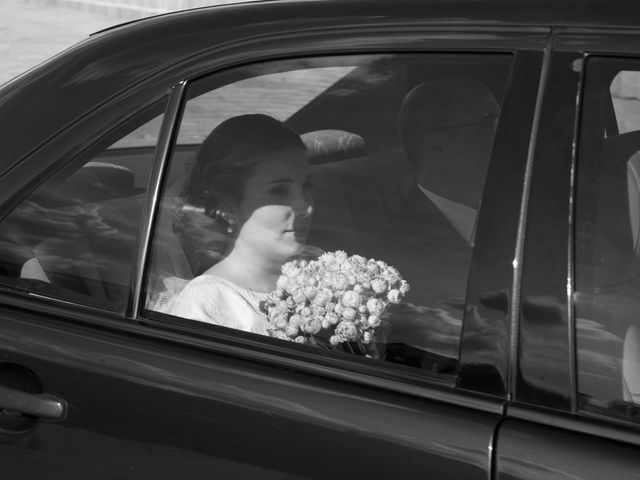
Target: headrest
(94, 182)
(324, 146)
(441, 103)
(97, 181)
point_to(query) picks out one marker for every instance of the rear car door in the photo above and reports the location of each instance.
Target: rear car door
(98, 381)
(574, 413)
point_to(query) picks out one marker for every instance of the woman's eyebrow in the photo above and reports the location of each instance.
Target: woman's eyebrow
(280, 180)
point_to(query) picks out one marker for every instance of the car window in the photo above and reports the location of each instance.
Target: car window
(331, 202)
(607, 240)
(73, 236)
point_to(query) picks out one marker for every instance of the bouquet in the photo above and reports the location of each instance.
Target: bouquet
(334, 300)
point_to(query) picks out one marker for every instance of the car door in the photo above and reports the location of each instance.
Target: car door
(573, 414)
(97, 381)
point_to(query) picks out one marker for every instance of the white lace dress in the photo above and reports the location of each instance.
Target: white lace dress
(212, 299)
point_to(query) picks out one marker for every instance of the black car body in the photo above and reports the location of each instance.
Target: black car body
(534, 389)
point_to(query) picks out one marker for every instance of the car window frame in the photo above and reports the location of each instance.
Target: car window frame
(263, 350)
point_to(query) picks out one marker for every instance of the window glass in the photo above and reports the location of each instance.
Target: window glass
(331, 202)
(73, 237)
(608, 240)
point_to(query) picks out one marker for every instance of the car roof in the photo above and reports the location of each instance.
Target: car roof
(552, 13)
(67, 87)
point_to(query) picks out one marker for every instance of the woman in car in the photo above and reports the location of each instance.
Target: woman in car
(251, 184)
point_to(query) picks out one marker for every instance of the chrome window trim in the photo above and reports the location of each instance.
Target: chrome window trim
(168, 132)
(518, 259)
(571, 313)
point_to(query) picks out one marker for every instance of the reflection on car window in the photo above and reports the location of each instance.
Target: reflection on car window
(73, 236)
(608, 240)
(331, 202)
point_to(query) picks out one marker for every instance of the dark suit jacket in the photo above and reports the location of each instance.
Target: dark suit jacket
(427, 250)
(432, 256)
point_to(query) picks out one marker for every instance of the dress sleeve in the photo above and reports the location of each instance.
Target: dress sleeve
(213, 302)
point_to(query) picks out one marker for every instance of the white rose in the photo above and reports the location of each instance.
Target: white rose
(347, 330)
(373, 321)
(341, 256)
(351, 299)
(340, 282)
(313, 325)
(299, 296)
(310, 292)
(282, 282)
(375, 306)
(332, 318)
(379, 285)
(349, 313)
(281, 322)
(291, 330)
(318, 310)
(394, 296)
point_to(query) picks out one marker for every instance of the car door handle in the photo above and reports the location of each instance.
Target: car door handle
(42, 405)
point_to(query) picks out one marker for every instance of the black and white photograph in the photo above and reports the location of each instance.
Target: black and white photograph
(320, 239)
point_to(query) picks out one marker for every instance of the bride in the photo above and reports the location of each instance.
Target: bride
(251, 186)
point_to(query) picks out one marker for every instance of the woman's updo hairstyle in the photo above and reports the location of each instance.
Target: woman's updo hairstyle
(225, 161)
(228, 156)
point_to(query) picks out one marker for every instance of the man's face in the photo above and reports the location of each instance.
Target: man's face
(455, 160)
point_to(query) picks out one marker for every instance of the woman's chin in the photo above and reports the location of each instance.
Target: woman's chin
(293, 249)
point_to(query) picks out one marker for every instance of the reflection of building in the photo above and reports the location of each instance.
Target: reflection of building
(130, 9)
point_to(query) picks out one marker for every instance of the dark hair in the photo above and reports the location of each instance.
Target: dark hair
(225, 161)
(229, 155)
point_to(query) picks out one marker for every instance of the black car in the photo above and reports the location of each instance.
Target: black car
(488, 153)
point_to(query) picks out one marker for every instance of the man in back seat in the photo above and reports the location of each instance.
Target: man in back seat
(447, 128)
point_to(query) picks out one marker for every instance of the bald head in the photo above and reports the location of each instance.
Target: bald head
(447, 127)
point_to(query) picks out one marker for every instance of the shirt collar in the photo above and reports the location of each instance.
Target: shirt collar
(462, 217)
